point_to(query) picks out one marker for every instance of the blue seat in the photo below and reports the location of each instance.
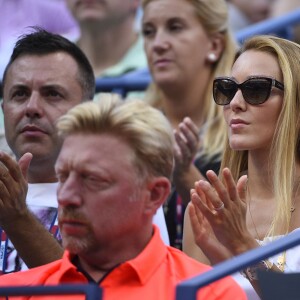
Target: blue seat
(91, 291)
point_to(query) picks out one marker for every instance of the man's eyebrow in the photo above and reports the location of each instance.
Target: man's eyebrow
(52, 86)
(19, 85)
(56, 87)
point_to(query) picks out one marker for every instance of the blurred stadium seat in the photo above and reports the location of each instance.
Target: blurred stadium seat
(278, 286)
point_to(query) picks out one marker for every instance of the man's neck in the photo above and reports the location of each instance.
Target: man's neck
(94, 275)
(105, 47)
(41, 174)
(98, 263)
(178, 104)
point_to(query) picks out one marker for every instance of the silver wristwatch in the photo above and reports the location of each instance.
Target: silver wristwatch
(251, 272)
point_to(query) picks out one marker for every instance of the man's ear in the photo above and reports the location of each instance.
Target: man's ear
(159, 189)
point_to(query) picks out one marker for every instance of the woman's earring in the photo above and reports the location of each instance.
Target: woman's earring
(212, 57)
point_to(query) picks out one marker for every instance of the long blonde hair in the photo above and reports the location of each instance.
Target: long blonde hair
(285, 145)
(213, 15)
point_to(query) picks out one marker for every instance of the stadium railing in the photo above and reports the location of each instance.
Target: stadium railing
(281, 26)
(187, 289)
(91, 291)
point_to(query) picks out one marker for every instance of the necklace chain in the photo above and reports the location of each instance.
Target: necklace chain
(249, 207)
(281, 260)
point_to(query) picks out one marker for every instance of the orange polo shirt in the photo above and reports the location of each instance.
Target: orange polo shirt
(152, 275)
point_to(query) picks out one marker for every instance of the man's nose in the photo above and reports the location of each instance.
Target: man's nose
(34, 106)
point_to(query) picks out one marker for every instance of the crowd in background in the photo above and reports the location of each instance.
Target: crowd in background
(59, 16)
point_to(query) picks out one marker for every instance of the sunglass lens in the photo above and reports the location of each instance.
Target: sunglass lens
(256, 91)
(224, 90)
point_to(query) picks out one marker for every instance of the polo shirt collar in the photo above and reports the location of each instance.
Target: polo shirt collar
(149, 260)
(144, 265)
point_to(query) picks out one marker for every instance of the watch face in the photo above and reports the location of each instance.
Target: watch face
(251, 272)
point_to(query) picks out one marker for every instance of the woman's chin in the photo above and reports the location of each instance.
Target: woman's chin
(238, 146)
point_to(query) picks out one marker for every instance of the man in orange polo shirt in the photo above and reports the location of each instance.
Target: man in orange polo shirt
(114, 172)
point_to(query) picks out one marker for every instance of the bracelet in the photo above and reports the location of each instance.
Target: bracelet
(251, 272)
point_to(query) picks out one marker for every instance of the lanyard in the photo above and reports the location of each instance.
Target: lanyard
(3, 251)
(6, 251)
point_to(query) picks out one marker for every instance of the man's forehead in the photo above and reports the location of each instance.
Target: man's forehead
(53, 61)
(83, 146)
(38, 69)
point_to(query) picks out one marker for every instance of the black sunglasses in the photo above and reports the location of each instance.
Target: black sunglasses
(255, 90)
